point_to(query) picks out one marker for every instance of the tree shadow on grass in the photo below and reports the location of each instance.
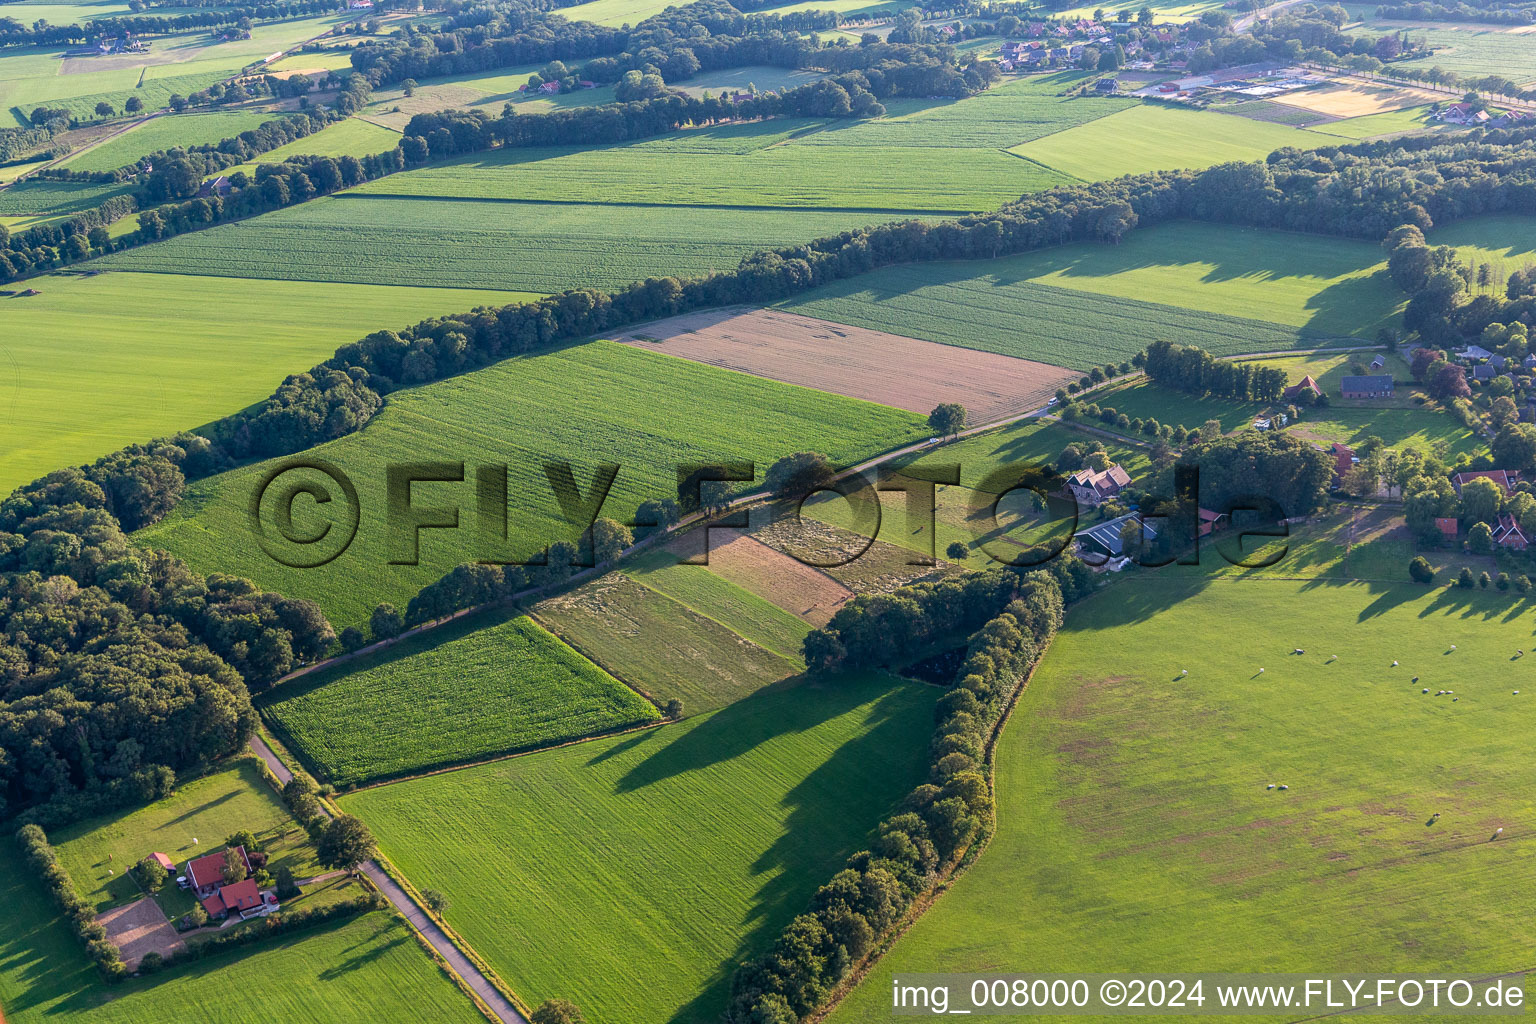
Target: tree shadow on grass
(775, 710)
(831, 812)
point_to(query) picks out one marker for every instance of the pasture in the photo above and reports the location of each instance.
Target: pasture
(591, 403)
(484, 685)
(737, 557)
(658, 860)
(352, 137)
(1084, 304)
(1504, 243)
(1152, 138)
(191, 822)
(1108, 797)
(55, 199)
(662, 646)
(1391, 122)
(541, 247)
(736, 165)
(872, 365)
(108, 335)
(368, 967)
(165, 132)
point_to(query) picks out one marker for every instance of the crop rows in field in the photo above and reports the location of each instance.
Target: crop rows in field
(998, 118)
(164, 132)
(460, 243)
(486, 685)
(1472, 51)
(913, 179)
(586, 404)
(660, 645)
(657, 861)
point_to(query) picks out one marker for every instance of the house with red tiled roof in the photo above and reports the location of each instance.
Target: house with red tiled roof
(1210, 521)
(242, 899)
(1306, 383)
(1505, 478)
(205, 875)
(1343, 459)
(1507, 534)
(1447, 526)
(1093, 487)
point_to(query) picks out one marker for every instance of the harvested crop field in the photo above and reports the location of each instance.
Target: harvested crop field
(1349, 99)
(770, 574)
(854, 361)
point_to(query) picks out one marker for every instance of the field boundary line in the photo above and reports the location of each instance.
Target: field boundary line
(525, 201)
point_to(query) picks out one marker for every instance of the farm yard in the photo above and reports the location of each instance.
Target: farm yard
(487, 685)
(660, 859)
(872, 365)
(1108, 797)
(648, 413)
(107, 333)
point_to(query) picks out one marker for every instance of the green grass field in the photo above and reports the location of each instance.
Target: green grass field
(110, 335)
(166, 132)
(665, 646)
(541, 247)
(1391, 122)
(1084, 304)
(1504, 243)
(368, 968)
(1122, 784)
(1152, 138)
(707, 167)
(55, 198)
(734, 607)
(1470, 50)
(1007, 115)
(586, 403)
(193, 821)
(486, 685)
(657, 861)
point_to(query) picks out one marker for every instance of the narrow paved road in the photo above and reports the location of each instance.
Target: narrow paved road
(457, 961)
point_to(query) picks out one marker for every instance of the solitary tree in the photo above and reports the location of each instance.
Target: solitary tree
(947, 418)
(103, 109)
(133, 105)
(346, 843)
(435, 901)
(557, 1011)
(151, 874)
(799, 474)
(956, 550)
(673, 709)
(1420, 571)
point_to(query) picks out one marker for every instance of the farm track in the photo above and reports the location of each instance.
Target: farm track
(456, 961)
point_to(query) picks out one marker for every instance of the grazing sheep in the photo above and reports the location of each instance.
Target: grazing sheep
(1425, 690)
(1517, 693)
(1498, 831)
(1394, 664)
(1185, 672)
(1453, 647)
(1270, 786)
(1261, 671)
(1285, 787)
(1415, 678)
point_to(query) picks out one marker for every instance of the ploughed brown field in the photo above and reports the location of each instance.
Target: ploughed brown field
(770, 574)
(854, 361)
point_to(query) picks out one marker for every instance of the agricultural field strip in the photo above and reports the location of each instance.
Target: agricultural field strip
(487, 685)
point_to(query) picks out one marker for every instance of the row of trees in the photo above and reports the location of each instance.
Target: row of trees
(43, 864)
(939, 819)
(1197, 372)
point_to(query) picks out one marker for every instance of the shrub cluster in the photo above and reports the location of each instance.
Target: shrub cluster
(936, 823)
(44, 865)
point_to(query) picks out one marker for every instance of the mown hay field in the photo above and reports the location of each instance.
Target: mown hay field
(1086, 304)
(1354, 99)
(484, 685)
(109, 335)
(352, 137)
(166, 132)
(662, 646)
(1122, 783)
(585, 404)
(657, 861)
(1152, 138)
(543, 247)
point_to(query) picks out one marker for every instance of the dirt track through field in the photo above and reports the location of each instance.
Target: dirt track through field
(854, 361)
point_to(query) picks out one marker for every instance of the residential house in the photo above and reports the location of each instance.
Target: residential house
(1498, 362)
(242, 899)
(1093, 487)
(1343, 459)
(550, 87)
(1302, 386)
(1369, 386)
(1507, 534)
(1473, 353)
(205, 875)
(1457, 113)
(1379, 363)
(1211, 521)
(1484, 371)
(1106, 86)
(1505, 478)
(1104, 540)
(1448, 527)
